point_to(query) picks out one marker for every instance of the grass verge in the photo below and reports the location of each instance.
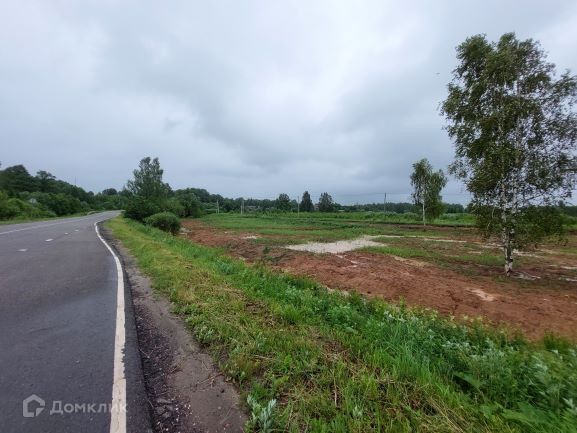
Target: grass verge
(337, 363)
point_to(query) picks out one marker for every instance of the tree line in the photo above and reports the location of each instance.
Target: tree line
(25, 196)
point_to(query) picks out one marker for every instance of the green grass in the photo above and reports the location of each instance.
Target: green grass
(464, 220)
(375, 217)
(340, 363)
(316, 227)
(405, 252)
(440, 257)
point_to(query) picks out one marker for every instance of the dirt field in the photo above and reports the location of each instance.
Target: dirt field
(546, 301)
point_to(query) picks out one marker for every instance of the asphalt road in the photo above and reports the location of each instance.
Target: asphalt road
(59, 293)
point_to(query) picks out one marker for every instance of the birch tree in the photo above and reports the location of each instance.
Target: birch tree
(427, 186)
(513, 123)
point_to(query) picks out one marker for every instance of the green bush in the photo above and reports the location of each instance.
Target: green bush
(139, 208)
(166, 221)
(16, 208)
(191, 205)
(8, 210)
(28, 209)
(62, 204)
(174, 206)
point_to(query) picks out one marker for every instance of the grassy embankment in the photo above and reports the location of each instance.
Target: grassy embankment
(338, 363)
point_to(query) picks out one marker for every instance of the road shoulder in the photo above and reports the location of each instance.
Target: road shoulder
(184, 389)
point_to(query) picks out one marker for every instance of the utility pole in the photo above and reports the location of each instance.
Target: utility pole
(242, 206)
(385, 204)
(217, 208)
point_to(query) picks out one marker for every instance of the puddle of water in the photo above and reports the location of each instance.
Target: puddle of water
(338, 246)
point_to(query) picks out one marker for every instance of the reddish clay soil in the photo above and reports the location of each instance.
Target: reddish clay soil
(534, 312)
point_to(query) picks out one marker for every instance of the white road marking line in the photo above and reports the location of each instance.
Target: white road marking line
(23, 250)
(65, 233)
(49, 240)
(118, 412)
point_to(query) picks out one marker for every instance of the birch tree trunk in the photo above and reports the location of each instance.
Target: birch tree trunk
(508, 251)
(423, 211)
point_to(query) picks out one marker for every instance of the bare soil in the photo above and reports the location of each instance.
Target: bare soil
(533, 311)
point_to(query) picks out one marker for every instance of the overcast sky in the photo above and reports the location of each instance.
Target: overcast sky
(246, 98)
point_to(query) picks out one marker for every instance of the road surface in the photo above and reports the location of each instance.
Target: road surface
(61, 317)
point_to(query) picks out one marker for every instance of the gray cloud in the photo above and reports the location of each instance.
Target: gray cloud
(246, 98)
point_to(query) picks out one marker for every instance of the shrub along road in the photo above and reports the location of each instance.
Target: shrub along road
(58, 318)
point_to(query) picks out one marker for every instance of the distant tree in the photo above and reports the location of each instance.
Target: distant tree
(326, 203)
(43, 195)
(173, 205)
(46, 181)
(147, 182)
(427, 187)
(228, 204)
(189, 202)
(283, 202)
(515, 129)
(454, 208)
(306, 204)
(109, 199)
(61, 204)
(203, 195)
(109, 191)
(148, 193)
(16, 179)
